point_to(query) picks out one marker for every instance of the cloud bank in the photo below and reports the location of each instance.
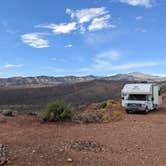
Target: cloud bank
(35, 40)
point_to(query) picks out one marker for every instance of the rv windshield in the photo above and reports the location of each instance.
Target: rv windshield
(137, 97)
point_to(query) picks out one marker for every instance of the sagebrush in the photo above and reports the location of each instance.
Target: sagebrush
(57, 111)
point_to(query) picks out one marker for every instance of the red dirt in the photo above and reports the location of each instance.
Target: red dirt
(136, 140)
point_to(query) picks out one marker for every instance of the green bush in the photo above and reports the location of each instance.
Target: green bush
(103, 105)
(57, 111)
(107, 104)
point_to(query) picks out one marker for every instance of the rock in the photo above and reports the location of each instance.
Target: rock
(41, 118)
(32, 113)
(7, 113)
(89, 146)
(15, 113)
(3, 161)
(52, 117)
(69, 160)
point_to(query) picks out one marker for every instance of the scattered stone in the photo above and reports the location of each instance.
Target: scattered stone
(69, 160)
(41, 118)
(7, 113)
(3, 155)
(15, 113)
(89, 146)
(41, 156)
(33, 151)
(32, 113)
(137, 147)
(3, 161)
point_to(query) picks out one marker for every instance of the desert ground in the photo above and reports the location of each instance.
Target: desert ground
(137, 139)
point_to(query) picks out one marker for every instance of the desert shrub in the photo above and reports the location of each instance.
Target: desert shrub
(107, 104)
(81, 107)
(116, 115)
(110, 103)
(105, 115)
(88, 117)
(93, 116)
(57, 111)
(103, 104)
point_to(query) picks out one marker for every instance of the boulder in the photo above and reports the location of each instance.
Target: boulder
(3, 161)
(7, 113)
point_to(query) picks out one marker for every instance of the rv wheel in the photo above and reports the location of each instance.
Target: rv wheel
(146, 111)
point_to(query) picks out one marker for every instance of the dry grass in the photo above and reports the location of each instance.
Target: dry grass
(92, 116)
(116, 115)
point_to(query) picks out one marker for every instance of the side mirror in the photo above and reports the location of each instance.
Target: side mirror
(122, 98)
(152, 99)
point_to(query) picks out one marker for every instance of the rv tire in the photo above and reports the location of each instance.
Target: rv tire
(146, 111)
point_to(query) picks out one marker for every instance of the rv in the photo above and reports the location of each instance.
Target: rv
(142, 97)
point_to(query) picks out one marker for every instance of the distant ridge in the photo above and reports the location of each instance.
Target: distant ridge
(48, 81)
(136, 76)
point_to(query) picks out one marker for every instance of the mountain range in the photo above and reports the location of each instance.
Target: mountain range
(47, 81)
(37, 91)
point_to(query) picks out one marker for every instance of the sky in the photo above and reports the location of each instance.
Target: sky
(83, 37)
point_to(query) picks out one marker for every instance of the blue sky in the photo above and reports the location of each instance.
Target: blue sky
(83, 37)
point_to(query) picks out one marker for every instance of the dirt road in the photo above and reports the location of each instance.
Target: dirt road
(137, 140)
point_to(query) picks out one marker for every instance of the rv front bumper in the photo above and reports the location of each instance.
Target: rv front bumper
(136, 107)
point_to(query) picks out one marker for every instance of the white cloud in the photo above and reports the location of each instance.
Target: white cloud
(145, 3)
(107, 62)
(95, 19)
(58, 59)
(142, 30)
(136, 65)
(139, 17)
(107, 66)
(82, 29)
(13, 66)
(86, 15)
(35, 40)
(62, 28)
(109, 55)
(100, 23)
(103, 61)
(68, 46)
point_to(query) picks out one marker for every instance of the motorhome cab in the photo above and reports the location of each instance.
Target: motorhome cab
(141, 97)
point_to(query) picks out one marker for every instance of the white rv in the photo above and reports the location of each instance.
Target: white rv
(141, 97)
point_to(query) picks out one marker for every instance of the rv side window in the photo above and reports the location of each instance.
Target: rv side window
(137, 97)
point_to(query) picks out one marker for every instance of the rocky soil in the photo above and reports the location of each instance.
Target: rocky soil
(3, 155)
(137, 140)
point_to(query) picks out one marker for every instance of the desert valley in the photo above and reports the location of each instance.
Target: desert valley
(27, 140)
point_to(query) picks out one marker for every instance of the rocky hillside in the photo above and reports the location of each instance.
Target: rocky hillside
(136, 76)
(78, 93)
(41, 81)
(45, 81)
